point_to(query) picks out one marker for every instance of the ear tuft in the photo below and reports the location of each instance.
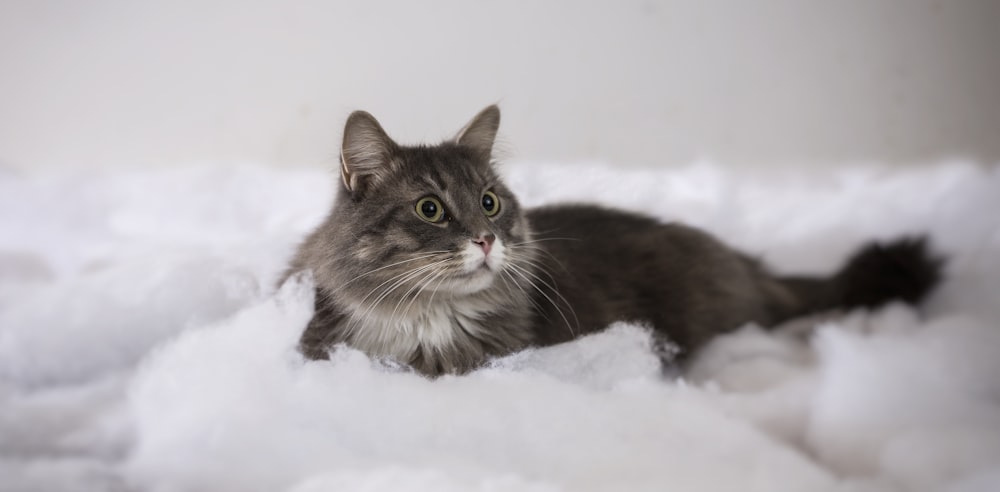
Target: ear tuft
(366, 152)
(481, 132)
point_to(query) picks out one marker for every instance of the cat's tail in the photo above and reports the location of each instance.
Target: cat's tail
(901, 270)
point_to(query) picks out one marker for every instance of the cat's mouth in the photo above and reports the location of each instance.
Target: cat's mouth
(483, 269)
(484, 263)
(471, 281)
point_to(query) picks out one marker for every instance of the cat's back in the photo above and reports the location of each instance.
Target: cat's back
(598, 230)
(616, 265)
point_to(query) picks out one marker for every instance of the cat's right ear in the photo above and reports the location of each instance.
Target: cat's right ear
(366, 154)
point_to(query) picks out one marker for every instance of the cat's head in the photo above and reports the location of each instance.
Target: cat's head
(425, 218)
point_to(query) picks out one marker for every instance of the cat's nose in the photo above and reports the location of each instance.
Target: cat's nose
(485, 241)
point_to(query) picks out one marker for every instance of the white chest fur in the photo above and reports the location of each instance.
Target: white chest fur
(436, 327)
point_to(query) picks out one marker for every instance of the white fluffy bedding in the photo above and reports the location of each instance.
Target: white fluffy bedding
(143, 346)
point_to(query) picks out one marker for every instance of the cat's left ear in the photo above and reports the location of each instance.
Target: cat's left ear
(481, 132)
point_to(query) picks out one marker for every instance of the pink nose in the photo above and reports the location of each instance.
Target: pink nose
(485, 241)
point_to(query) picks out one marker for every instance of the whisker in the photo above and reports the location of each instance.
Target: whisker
(537, 265)
(428, 255)
(505, 274)
(554, 288)
(423, 286)
(547, 231)
(399, 283)
(391, 279)
(523, 273)
(358, 319)
(434, 292)
(539, 240)
(400, 280)
(416, 285)
(540, 250)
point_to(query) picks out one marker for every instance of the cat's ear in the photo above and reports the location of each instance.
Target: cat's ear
(366, 153)
(481, 132)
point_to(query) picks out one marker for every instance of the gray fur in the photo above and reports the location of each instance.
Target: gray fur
(398, 287)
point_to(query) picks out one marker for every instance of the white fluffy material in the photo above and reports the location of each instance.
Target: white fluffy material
(144, 347)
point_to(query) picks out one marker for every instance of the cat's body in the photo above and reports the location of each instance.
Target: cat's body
(428, 259)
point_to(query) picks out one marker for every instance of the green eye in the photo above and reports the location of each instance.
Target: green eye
(491, 204)
(430, 209)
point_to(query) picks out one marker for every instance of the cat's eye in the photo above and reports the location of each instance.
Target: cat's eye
(491, 204)
(430, 209)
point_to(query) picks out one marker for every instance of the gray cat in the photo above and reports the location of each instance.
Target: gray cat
(427, 259)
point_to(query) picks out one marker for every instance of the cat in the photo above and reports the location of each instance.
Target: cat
(427, 259)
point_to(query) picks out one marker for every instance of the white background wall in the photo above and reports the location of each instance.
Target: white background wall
(139, 83)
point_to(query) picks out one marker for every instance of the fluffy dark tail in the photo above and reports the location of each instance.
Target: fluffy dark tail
(902, 270)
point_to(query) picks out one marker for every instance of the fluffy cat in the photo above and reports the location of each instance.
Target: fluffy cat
(427, 259)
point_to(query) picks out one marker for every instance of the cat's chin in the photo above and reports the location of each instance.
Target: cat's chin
(475, 281)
